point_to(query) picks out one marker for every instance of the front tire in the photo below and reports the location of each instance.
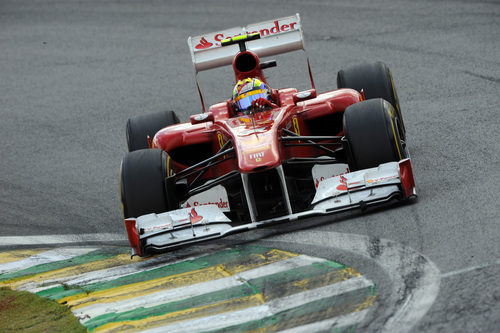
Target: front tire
(371, 131)
(376, 82)
(140, 127)
(143, 187)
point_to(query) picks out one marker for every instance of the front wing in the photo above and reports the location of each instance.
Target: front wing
(160, 232)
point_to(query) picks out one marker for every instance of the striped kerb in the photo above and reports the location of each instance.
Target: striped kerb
(241, 289)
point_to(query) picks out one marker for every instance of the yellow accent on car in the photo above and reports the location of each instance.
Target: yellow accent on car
(169, 172)
(396, 101)
(396, 138)
(221, 140)
(296, 126)
(238, 38)
(242, 37)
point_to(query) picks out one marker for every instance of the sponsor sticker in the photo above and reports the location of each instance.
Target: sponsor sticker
(269, 28)
(321, 172)
(257, 156)
(216, 196)
(203, 44)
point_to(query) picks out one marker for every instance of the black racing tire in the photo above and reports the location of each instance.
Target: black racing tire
(140, 127)
(376, 82)
(370, 129)
(143, 187)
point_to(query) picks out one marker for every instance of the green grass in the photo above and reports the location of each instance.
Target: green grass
(21, 311)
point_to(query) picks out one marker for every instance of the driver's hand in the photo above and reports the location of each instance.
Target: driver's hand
(261, 103)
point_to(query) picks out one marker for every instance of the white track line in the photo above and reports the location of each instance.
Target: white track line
(469, 269)
(60, 239)
(44, 258)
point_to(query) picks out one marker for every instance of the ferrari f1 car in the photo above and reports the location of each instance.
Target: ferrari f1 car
(226, 171)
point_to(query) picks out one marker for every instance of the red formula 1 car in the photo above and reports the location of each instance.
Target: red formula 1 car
(231, 169)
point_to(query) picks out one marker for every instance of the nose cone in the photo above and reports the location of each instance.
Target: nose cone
(256, 140)
(258, 152)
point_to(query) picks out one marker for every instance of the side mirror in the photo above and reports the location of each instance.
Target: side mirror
(202, 118)
(304, 95)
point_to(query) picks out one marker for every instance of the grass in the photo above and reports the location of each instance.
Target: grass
(21, 311)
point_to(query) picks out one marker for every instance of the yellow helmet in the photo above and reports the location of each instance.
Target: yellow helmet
(248, 90)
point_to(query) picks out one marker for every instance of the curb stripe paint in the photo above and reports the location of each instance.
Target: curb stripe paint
(337, 304)
(61, 274)
(245, 288)
(182, 315)
(35, 263)
(266, 286)
(177, 294)
(94, 278)
(233, 319)
(175, 281)
(189, 313)
(6, 257)
(167, 269)
(99, 276)
(324, 306)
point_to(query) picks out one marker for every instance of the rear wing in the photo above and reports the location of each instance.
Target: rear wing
(276, 36)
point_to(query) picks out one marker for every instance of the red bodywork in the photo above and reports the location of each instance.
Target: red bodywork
(227, 171)
(256, 137)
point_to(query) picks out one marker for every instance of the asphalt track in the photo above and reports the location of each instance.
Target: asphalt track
(72, 73)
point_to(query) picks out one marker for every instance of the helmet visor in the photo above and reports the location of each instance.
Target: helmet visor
(244, 101)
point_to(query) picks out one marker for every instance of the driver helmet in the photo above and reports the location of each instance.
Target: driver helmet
(248, 90)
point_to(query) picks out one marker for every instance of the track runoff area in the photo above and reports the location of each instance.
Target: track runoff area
(238, 289)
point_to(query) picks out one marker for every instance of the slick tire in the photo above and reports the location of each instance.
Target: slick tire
(376, 82)
(371, 132)
(143, 189)
(140, 127)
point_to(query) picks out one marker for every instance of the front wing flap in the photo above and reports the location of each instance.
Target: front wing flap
(160, 232)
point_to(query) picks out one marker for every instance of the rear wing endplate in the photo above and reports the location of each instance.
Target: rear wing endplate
(276, 36)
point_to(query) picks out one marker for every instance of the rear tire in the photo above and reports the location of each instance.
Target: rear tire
(376, 82)
(143, 187)
(372, 135)
(140, 127)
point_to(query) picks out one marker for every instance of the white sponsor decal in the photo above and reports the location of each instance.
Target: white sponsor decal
(321, 172)
(256, 156)
(214, 196)
(269, 28)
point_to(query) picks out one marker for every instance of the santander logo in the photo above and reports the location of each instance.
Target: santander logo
(204, 44)
(265, 29)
